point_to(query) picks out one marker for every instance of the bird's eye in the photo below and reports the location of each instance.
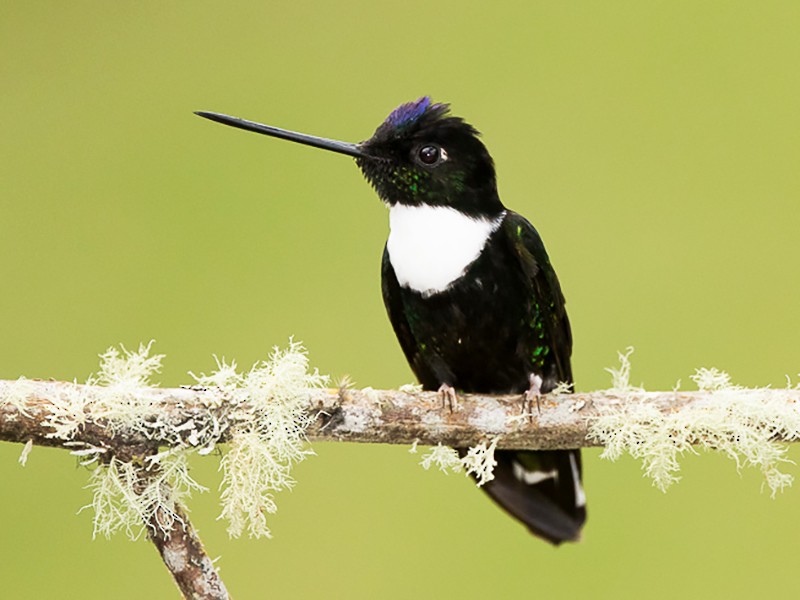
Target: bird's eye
(430, 155)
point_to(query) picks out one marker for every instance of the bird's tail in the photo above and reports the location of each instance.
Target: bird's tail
(543, 490)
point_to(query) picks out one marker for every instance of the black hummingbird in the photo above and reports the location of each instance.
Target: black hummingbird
(470, 291)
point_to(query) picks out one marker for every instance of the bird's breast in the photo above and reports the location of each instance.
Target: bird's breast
(430, 247)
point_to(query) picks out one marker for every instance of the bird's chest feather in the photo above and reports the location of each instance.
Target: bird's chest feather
(430, 247)
(471, 333)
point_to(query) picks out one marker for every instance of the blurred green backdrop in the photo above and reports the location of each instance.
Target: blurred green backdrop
(654, 144)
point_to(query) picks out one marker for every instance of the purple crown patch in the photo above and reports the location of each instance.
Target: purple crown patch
(405, 114)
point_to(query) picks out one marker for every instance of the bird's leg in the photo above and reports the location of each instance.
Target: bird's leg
(534, 393)
(448, 396)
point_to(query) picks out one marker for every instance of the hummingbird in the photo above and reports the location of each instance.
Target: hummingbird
(469, 290)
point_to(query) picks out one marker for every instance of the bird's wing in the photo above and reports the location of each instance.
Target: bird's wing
(541, 488)
(393, 300)
(547, 301)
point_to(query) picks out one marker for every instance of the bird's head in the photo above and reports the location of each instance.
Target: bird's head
(420, 155)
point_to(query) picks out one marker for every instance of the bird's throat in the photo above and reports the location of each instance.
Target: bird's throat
(430, 247)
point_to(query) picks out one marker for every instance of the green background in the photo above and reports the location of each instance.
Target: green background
(654, 144)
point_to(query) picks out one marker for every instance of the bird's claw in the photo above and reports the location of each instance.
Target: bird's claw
(534, 393)
(448, 396)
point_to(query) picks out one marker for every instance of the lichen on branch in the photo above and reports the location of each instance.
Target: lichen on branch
(745, 424)
(269, 419)
(138, 446)
(138, 437)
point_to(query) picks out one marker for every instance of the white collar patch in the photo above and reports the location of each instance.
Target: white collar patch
(431, 246)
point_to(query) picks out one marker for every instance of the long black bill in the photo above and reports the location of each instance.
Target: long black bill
(285, 134)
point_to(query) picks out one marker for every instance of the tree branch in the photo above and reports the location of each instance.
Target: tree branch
(656, 426)
(378, 416)
(187, 561)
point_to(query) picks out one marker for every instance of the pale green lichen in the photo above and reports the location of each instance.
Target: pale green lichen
(410, 388)
(122, 376)
(344, 383)
(115, 396)
(739, 422)
(225, 376)
(443, 457)
(268, 435)
(26, 451)
(621, 376)
(252, 474)
(478, 461)
(70, 411)
(16, 394)
(562, 387)
(127, 370)
(265, 420)
(712, 379)
(125, 499)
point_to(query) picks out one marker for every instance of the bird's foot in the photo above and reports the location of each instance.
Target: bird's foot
(534, 394)
(448, 396)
